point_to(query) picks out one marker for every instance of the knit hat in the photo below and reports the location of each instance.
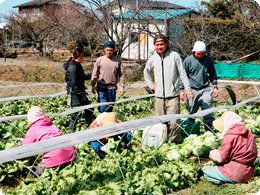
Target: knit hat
(109, 119)
(199, 46)
(34, 114)
(110, 44)
(159, 38)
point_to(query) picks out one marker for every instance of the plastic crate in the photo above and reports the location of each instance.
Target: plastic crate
(230, 70)
(250, 70)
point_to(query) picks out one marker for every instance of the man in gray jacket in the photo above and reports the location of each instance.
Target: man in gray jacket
(168, 69)
(200, 71)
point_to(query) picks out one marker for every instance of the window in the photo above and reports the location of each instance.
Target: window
(25, 14)
(36, 14)
(134, 37)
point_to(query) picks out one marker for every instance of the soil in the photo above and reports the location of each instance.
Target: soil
(242, 91)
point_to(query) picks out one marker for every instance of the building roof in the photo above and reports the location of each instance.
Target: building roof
(152, 4)
(156, 14)
(37, 3)
(161, 5)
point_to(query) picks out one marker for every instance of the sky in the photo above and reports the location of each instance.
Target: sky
(6, 5)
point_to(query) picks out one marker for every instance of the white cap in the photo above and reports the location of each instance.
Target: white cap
(199, 46)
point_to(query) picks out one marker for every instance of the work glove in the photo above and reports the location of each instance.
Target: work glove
(104, 148)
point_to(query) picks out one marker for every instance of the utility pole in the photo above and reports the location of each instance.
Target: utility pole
(138, 26)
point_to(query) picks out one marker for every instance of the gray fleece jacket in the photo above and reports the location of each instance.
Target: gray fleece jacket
(167, 74)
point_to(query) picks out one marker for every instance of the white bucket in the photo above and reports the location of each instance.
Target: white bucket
(154, 135)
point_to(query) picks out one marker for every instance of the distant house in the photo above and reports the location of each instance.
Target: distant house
(158, 16)
(36, 9)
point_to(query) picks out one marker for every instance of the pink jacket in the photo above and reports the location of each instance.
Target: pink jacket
(44, 129)
(239, 145)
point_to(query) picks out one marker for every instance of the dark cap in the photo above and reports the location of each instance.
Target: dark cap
(160, 37)
(109, 44)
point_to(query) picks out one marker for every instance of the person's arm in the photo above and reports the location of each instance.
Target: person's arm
(148, 74)
(213, 77)
(215, 156)
(94, 77)
(121, 75)
(29, 137)
(75, 79)
(183, 76)
(182, 93)
(224, 152)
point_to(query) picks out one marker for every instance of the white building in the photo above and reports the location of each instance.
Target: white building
(153, 17)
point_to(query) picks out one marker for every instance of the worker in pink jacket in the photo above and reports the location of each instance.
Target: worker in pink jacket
(237, 155)
(42, 128)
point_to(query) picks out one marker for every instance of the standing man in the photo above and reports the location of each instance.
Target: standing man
(200, 71)
(168, 69)
(107, 72)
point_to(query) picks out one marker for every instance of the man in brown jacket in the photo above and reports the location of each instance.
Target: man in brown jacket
(108, 71)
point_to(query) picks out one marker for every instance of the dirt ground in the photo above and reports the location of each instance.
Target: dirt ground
(242, 91)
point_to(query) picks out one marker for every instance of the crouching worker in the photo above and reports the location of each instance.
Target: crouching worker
(237, 155)
(108, 118)
(42, 128)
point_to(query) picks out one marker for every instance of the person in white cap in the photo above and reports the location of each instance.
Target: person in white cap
(201, 72)
(237, 155)
(168, 71)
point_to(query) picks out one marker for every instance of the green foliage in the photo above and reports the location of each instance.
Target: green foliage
(220, 9)
(229, 39)
(147, 172)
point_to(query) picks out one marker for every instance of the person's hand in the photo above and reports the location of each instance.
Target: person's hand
(20, 141)
(215, 92)
(153, 87)
(94, 89)
(122, 91)
(190, 94)
(182, 96)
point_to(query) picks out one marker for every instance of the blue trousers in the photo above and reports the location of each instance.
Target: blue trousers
(97, 145)
(212, 174)
(106, 95)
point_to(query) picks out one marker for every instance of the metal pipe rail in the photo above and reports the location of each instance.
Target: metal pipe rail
(99, 133)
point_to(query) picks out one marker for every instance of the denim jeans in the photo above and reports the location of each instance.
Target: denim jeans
(106, 95)
(97, 145)
(76, 101)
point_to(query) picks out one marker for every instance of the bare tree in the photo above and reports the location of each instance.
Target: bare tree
(35, 32)
(115, 24)
(227, 39)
